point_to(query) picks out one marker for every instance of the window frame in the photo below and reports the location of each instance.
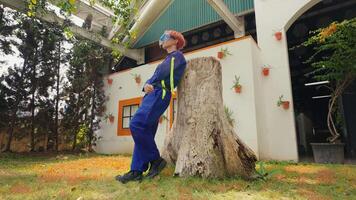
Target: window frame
(122, 103)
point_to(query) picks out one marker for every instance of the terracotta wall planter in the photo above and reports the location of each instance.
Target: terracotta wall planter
(285, 105)
(109, 81)
(111, 119)
(278, 35)
(265, 71)
(238, 89)
(138, 80)
(220, 55)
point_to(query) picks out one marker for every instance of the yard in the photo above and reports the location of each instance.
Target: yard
(91, 176)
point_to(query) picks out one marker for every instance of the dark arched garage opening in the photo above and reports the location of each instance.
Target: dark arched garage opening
(310, 96)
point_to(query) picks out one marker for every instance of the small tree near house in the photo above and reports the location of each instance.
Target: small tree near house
(334, 61)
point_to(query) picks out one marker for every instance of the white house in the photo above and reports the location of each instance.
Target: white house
(209, 25)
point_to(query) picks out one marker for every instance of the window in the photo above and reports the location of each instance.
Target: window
(128, 112)
(173, 109)
(127, 109)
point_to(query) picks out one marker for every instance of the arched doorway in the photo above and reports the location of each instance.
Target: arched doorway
(311, 97)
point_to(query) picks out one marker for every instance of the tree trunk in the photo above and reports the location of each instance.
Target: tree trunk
(33, 91)
(201, 141)
(58, 76)
(10, 131)
(74, 144)
(92, 117)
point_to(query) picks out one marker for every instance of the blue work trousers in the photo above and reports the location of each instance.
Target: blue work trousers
(143, 127)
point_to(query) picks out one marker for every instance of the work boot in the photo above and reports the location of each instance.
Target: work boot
(130, 176)
(156, 167)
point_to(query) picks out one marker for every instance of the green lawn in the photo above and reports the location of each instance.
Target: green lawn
(91, 176)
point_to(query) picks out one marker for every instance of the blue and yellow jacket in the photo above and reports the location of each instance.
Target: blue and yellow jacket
(169, 72)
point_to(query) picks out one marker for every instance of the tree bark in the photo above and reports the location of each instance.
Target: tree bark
(201, 141)
(92, 117)
(58, 76)
(33, 96)
(10, 131)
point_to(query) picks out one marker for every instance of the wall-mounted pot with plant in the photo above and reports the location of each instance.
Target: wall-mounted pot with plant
(109, 117)
(236, 85)
(283, 103)
(161, 118)
(137, 78)
(266, 70)
(223, 53)
(109, 80)
(278, 34)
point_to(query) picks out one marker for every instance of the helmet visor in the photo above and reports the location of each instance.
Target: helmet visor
(164, 37)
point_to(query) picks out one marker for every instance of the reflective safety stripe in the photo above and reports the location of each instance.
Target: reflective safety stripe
(171, 80)
(172, 71)
(163, 89)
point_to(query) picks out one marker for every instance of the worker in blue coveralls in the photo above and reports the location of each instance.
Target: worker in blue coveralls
(158, 90)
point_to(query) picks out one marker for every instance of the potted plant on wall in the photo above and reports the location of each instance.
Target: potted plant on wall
(137, 78)
(265, 70)
(334, 61)
(237, 86)
(223, 53)
(109, 81)
(109, 116)
(283, 103)
(161, 118)
(278, 35)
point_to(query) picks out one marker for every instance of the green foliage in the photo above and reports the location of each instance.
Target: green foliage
(263, 174)
(85, 96)
(229, 114)
(82, 139)
(225, 52)
(7, 28)
(124, 11)
(280, 100)
(35, 6)
(236, 82)
(335, 56)
(27, 87)
(334, 60)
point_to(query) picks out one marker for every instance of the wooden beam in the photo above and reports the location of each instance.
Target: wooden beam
(236, 24)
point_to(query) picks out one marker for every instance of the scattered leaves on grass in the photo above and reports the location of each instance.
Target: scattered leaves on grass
(20, 188)
(75, 171)
(304, 169)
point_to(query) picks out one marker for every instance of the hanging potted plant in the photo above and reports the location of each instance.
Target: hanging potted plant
(137, 78)
(237, 86)
(109, 81)
(265, 70)
(334, 61)
(283, 103)
(161, 118)
(223, 53)
(110, 117)
(278, 35)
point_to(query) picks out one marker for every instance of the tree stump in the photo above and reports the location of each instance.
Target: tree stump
(201, 141)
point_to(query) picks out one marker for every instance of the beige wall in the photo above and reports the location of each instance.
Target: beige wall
(278, 138)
